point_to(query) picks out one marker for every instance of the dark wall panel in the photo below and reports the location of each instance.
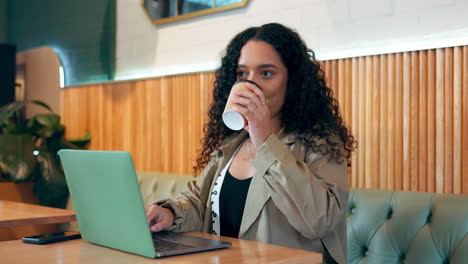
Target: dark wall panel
(81, 32)
(3, 20)
(7, 73)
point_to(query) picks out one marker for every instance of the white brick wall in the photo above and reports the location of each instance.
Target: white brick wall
(333, 28)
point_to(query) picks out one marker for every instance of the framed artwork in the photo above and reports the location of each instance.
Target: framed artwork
(166, 11)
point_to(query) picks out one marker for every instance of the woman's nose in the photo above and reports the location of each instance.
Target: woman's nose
(252, 78)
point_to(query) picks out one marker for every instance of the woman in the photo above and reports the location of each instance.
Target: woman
(282, 180)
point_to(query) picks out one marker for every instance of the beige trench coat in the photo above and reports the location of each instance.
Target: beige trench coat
(296, 198)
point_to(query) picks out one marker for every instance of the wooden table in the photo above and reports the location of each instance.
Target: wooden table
(79, 251)
(17, 214)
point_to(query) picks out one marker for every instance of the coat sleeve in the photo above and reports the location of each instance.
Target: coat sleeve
(189, 205)
(311, 193)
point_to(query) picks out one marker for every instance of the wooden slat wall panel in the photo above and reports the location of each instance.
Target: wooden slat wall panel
(159, 124)
(464, 120)
(423, 132)
(415, 133)
(408, 111)
(440, 120)
(383, 124)
(431, 127)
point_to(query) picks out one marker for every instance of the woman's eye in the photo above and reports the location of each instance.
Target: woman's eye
(241, 74)
(267, 74)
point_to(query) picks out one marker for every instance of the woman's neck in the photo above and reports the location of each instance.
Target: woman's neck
(276, 124)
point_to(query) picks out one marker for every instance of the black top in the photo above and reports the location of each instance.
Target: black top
(231, 204)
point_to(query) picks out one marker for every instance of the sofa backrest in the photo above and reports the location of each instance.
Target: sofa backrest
(406, 227)
(156, 186)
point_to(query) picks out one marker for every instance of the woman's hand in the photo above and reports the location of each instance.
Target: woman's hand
(253, 105)
(159, 218)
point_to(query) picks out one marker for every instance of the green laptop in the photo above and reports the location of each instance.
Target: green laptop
(109, 208)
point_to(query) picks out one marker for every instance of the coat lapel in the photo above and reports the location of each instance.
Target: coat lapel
(258, 194)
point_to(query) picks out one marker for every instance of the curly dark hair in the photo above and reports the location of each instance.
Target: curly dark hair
(309, 111)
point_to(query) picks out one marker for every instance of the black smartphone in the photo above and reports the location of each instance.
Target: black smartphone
(51, 238)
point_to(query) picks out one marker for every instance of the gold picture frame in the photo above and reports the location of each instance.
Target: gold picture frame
(185, 16)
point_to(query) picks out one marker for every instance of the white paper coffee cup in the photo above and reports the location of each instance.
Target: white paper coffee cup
(231, 118)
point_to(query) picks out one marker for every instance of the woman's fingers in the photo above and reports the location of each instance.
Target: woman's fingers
(246, 98)
(150, 213)
(258, 93)
(158, 218)
(245, 103)
(157, 227)
(251, 102)
(240, 100)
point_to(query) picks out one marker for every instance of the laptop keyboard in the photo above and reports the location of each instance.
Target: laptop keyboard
(164, 245)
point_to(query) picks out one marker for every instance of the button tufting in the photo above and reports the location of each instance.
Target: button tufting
(402, 257)
(390, 214)
(364, 252)
(429, 218)
(353, 210)
(154, 186)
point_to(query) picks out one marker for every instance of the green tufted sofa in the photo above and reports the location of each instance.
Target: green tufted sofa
(407, 227)
(155, 186)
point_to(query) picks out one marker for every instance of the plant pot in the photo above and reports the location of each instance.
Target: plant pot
(18, 192)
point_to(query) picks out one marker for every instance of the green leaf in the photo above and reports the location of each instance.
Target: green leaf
(81, 143)
(44, 105)
(50, 120)
(7, 111)
(17, 161)
(46, 125)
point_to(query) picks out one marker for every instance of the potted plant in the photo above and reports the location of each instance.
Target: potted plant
(28, 151)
